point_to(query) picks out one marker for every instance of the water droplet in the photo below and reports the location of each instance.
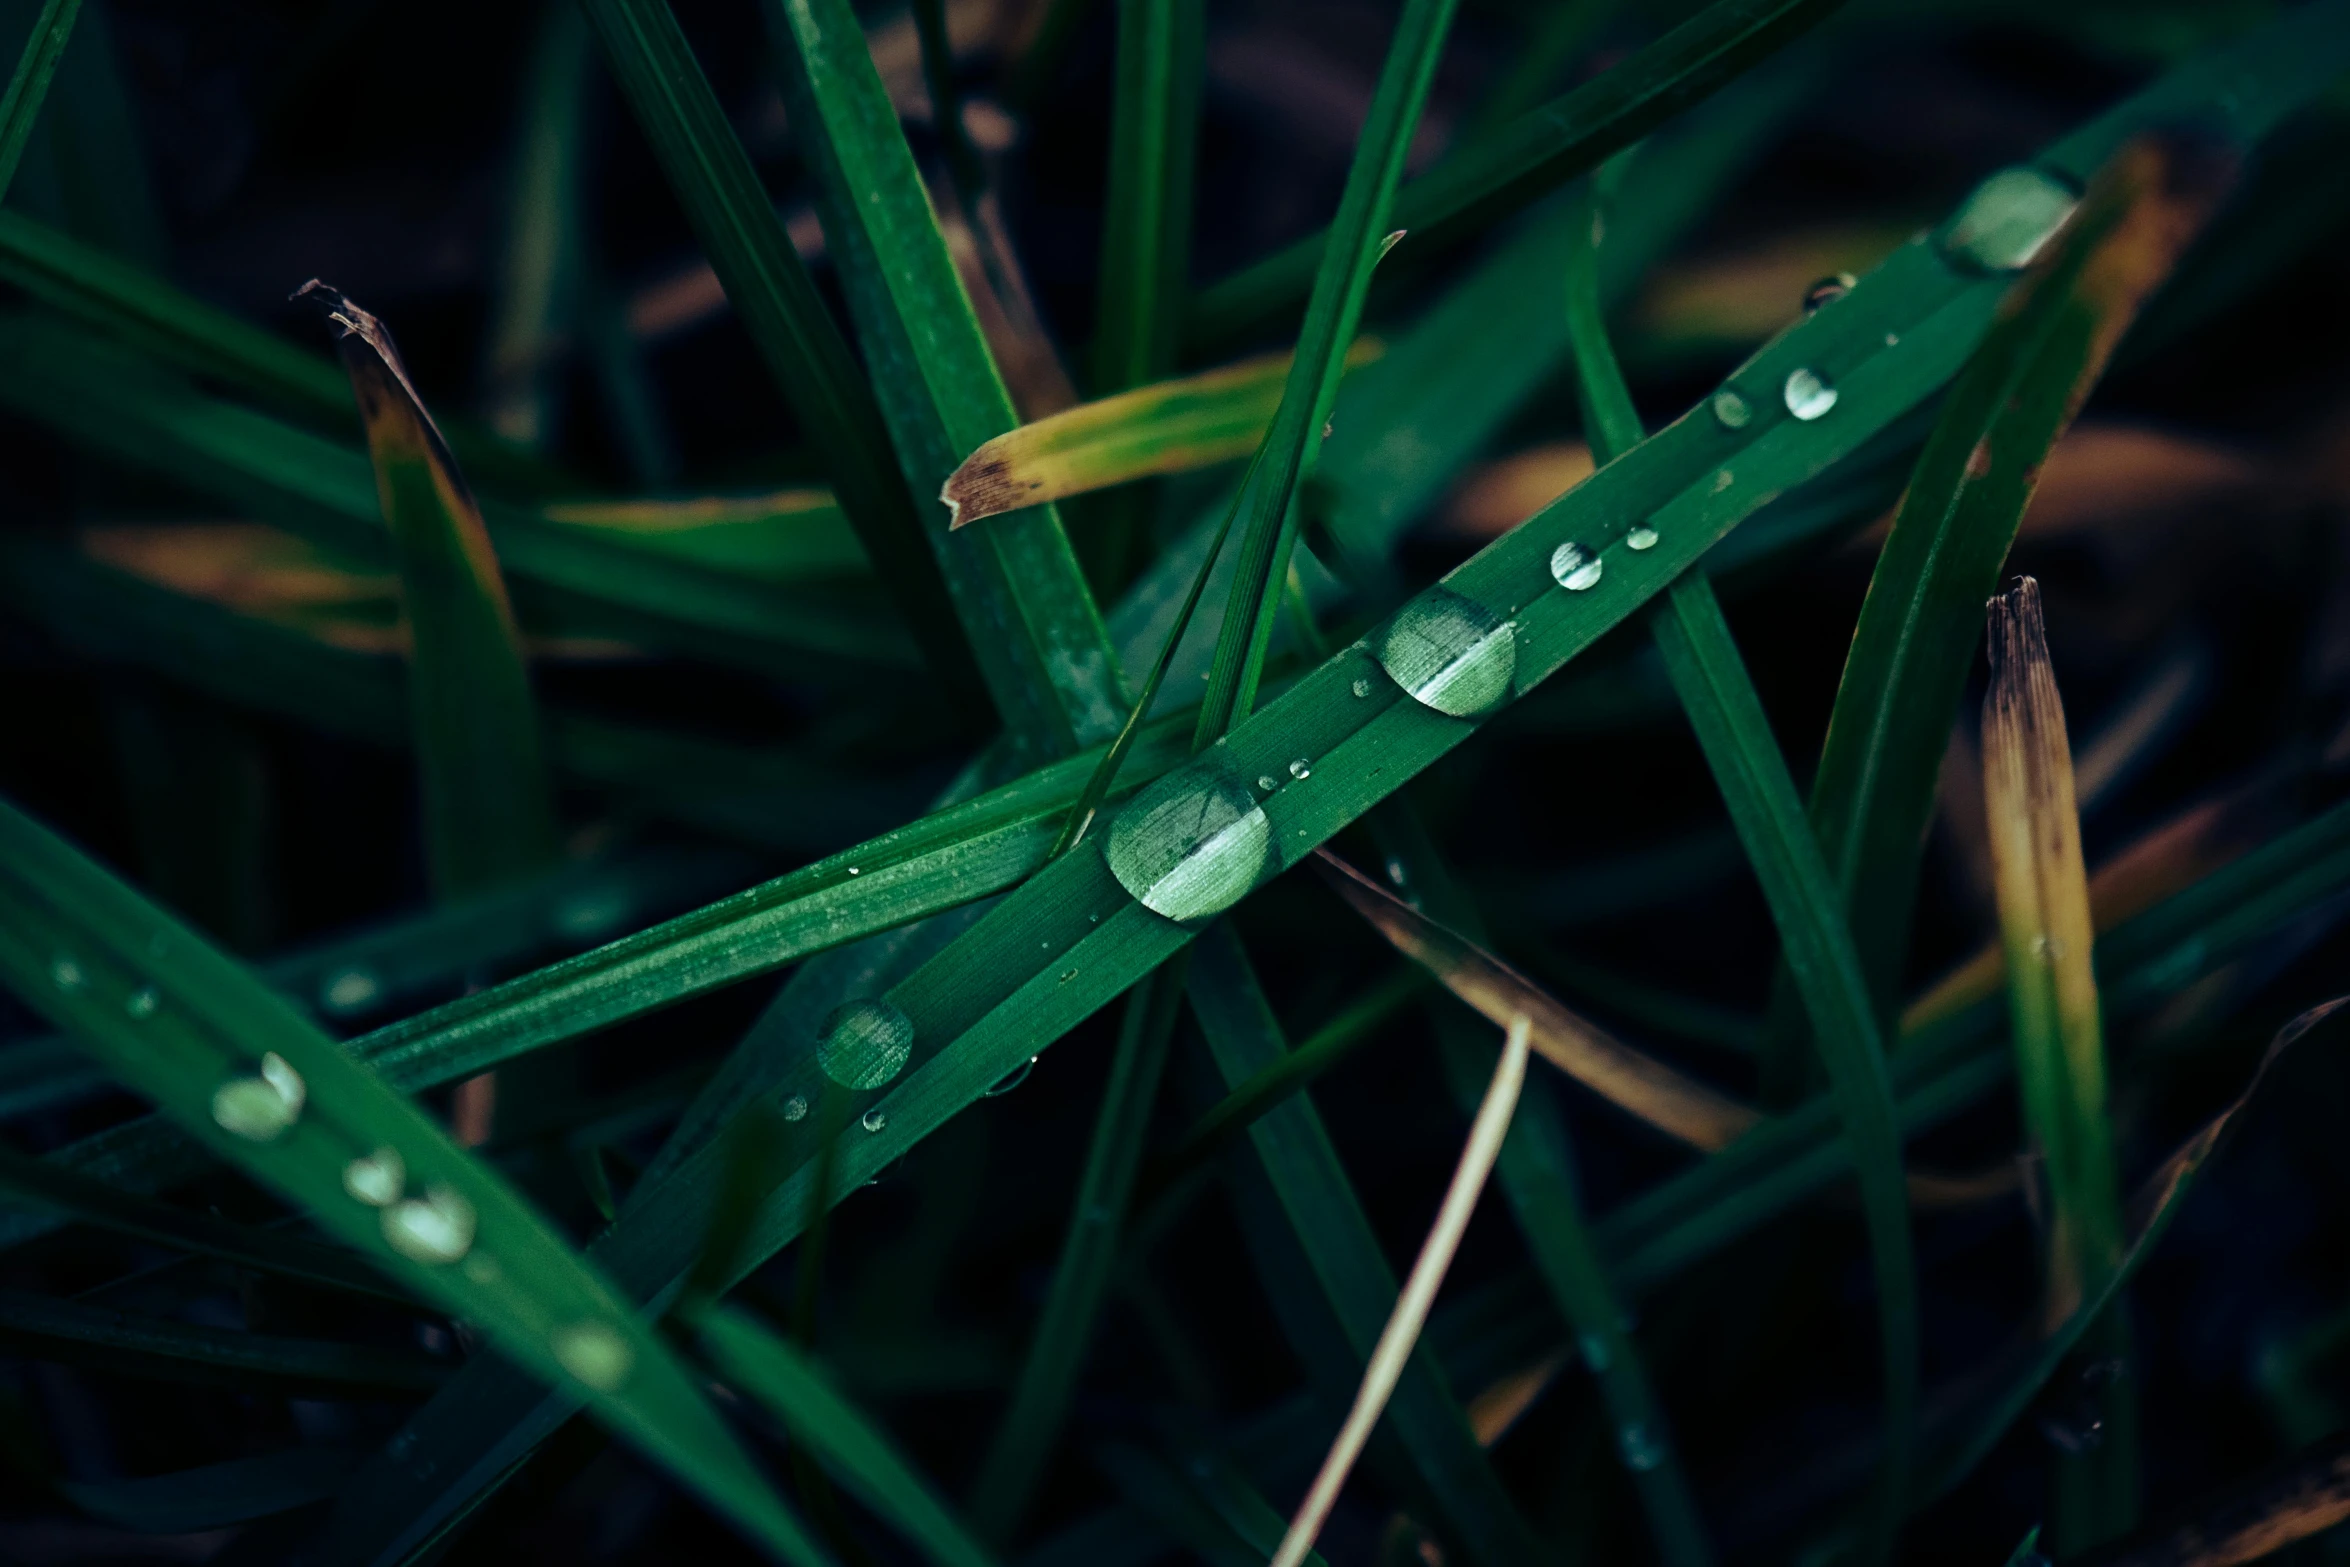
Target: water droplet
(1641, 537)
(1395, 872)
(1268, 783)
(795, 1108)
(482, 1268)
(865, 1043)
(1827, 291)
(853, 871)
(1595, 1353)
(2008, 220)
(1450, 653)
(142, 1003)
(1014, 1078)
(1067, 975)
(378, 1179)
(347, 990)
(594, 1353)
(1191, 845)
(873, 1120)
(1892, 339)
(67, 973)
(1575, 568)
(1808, 393)
(280, 1075)
(1301, 769)
(1640, 1448)
(258, 1109)
(1722, 481)
(1361, 687)
(1732, 411)
(435, 1228)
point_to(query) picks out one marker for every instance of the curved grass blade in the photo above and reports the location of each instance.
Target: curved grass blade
(133, 1344)
(1031, 618)
(776, 1373)
(2044, 920)
(266, 1091)
(1920, 623)
(1196, 421)
(28, 85)
(1634, 1081)
(1536, 153)
(488, 815)
(786, 318)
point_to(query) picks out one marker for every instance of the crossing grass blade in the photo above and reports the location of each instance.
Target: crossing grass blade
(42, 1327)
(1196, 421)
(1031, 619)
(28, 84)
(1537, 153)
(487, 811)
(1920, 623)
(787, 320)
(266, 1091)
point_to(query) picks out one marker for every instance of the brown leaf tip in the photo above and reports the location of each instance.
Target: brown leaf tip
(985, 487)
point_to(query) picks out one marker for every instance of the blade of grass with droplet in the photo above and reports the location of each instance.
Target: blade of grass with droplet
(1359, 237)
(788, 322)
(1920, 623)
(28, 84)
(265, 1090)
(1536, 153)
(2042, 888)
(1328, 1222)
(857, 1454)
(39, 1327)
(1032, 620)
(488, 815)
(1195, 421)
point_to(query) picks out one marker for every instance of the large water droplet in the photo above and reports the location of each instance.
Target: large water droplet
(1640, 537)
(347, 990)
(873, 1120)
(378, 1179)
(435, 1228)
(1575, 568)
(593, 1352)
(1640, 1447)
(1732, 411)
(1808, 393)
(865, 1043)
(1191, 845)
(2008, 220)
(1450, 653)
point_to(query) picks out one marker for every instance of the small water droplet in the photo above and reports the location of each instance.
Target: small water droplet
(1827, 291)
(1808, 393)
(280, 1075)
(67, 973)
(1640, 1448)
(1640, 537)
(796, 1108)
(593, 1352)
(1396, 873)
(1595, 1353)
(864, 1044)
(873, 1120)
(1093, 919)
(142, 1003)
(1268, 783)
(259, 1109)
(1191, 845)
(1450, 654)
(436, 1228)
(1732, 411)
(1575, 568)
(1892, 339)
(1723, 481)
(1327, 426)
(1067, 975)
(378, 1179)
(1301, 770)
(1361, 687)
(2007, 221)
(1018, 1075)
(853, 871)
(347, 990)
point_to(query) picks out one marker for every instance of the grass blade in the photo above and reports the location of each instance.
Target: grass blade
(79, 1333)
(2044, 921)
(1402, 1332)
(488, 816)
(28, 85)
(1538, 152)
(1030, 616)
(540, 299)
(268, 1092)
(2287, 1502)
(211, 1496)
(1147, 209)
(785, 316)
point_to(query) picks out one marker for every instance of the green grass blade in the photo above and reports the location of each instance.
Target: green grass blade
(539, 299)
(1358, 239)
(488, 816)
(76, 1332)
(1147, 209)
(1328, 1222)
(268, 1092)
(212, 1496)
(1031, 618)
(1539, 152)
(786, 318)
(780, 1377)
(1920, 623)
(1031, 1423)
(28, 85)
(1720, 699)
